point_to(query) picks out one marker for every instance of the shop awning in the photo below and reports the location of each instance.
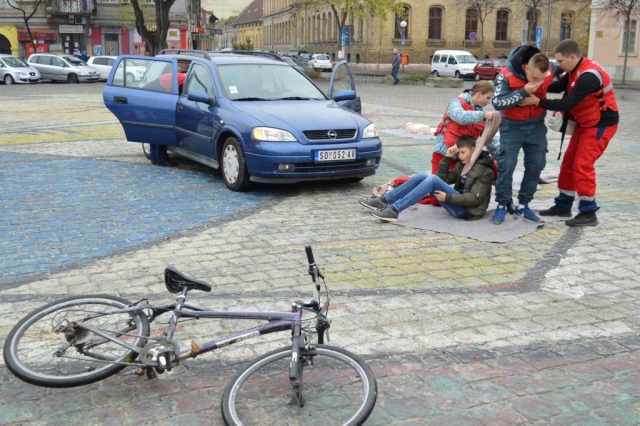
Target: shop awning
(38, 34)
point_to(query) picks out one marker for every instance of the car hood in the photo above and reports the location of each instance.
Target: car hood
(302, 115)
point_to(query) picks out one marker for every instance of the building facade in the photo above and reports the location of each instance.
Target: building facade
(431, 25)
(607, 43)
(99, 27)
(248, 25)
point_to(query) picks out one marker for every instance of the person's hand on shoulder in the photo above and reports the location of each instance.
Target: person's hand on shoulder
(529, 100)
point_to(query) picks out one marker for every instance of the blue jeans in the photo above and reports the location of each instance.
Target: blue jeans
(417, 188)
(532, 139)
(394, 74)
(158, 153)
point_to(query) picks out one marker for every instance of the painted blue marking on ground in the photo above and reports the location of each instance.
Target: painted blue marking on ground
(58, 211)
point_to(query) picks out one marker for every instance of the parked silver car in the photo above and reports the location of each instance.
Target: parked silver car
(15, 70)
(63, 68)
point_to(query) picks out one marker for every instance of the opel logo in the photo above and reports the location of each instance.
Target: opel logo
(332, 134)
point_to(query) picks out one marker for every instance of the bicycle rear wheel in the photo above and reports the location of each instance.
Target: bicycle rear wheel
(337, 389)
(50, 347)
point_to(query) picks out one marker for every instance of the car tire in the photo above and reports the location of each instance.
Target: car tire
(72, 79)
(130, 79)
(435, 74)
(146, 150)
(477, 77)
(234, 166)
(457, 74)
(8, 80)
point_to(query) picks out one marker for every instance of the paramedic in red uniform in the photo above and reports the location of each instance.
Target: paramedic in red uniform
(590, 101)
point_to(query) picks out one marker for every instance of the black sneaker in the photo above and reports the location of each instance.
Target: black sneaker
(555, 211)
(387, 214)
(583, 219)
(374, 203)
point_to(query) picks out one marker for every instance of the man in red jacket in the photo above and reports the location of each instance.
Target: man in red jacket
(589, 100)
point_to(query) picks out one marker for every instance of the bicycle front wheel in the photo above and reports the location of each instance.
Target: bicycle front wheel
(51, 347)
(337, 389)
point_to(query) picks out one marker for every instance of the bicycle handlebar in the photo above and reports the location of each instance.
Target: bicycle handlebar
(309, 255)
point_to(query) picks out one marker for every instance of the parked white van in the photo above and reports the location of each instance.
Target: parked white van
(453, 63)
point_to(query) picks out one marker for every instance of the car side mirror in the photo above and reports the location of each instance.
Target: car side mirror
(199, 96)
(345, 95)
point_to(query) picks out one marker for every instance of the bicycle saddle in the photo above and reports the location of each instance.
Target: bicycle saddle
(176, 281)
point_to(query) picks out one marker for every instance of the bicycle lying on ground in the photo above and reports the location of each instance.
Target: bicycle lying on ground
(84, 339)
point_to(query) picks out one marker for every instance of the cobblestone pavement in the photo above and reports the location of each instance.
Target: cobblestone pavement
(542, 329)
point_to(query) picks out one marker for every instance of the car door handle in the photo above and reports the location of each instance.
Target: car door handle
(180, 108)
(120, 99)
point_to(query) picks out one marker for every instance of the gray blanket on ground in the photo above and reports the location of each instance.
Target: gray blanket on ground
(438, 220)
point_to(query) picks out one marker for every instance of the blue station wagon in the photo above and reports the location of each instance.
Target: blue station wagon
(254, 118)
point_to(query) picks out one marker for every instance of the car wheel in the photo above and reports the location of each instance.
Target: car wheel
(477, 77)
(8, 80)
(146, 150)
(234, 166)
(72, 78)
(435, 74)
(457, 74)
(130, 79)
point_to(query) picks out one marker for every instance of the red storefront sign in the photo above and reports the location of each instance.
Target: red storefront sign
(40, 48)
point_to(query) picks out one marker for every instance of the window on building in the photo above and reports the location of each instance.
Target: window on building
(532, 17)
(502, 25)
(435, 23)
(404, 16)
(633, 35)
(565, 25)
(470, 23)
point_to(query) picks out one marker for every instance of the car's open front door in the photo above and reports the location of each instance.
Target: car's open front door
(146, 108)
(341, 81)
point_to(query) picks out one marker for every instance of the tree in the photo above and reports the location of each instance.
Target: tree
(247, 45)
(27, 9)
(341, 10)
(482, 9)
(622, 11)
(154, 34)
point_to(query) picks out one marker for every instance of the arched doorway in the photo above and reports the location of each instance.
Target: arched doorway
(5, 45)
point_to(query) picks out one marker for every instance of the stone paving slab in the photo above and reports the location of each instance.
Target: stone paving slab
(539, 330)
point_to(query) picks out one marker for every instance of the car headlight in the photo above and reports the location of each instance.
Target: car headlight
(84, 73)
(272, 135)
(371, 131)
(22, 74)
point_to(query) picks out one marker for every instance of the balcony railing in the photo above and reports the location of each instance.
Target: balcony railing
(67, 7)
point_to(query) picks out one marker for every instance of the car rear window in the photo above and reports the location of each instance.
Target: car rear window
(322, 57)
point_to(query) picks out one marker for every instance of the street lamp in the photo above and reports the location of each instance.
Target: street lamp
(403, 27)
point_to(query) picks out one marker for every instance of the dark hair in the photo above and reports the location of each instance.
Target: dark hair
(482, 86)
(539, 61)
(567, 48)
(466, 142)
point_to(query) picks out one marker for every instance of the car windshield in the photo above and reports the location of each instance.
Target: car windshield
(255, 82)
(74, 61)
(14, 62)
(466, 59)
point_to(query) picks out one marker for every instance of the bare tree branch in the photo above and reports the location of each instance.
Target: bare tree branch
(621, 11)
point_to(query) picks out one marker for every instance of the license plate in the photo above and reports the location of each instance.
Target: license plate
(335, 155)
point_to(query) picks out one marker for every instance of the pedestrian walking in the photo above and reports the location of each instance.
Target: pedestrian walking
(526, 73)
(589, 101)
(395, 66)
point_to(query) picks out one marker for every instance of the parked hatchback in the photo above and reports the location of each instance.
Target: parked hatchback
(135, 71)
(15, 70)
(254, 118)
(320, 61)
(63, 68)
(488, 69)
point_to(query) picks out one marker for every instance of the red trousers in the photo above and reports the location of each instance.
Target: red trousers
(577, 171)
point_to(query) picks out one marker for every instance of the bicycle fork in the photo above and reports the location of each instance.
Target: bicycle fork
(296, 364)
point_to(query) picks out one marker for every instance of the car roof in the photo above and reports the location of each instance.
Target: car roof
(224, 58)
